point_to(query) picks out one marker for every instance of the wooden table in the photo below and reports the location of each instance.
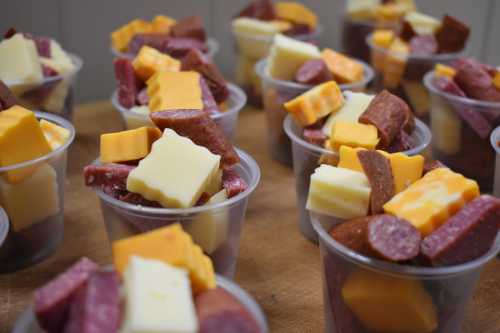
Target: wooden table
(276, 264)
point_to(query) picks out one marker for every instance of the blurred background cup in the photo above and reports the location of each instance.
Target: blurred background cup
(495, 143)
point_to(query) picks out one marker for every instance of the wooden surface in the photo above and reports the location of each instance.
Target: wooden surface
(276, 264)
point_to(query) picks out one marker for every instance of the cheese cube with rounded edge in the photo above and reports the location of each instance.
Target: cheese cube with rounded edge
(122, 36)
(162, 24)
(354, 135)
(339, 192)
(175, 173)
(444, 70)
(128, 145)
(348, 158)
(150, 60)
(175, 91)
(158, 298)
(405, 169)
(20, 62)
(296, 12)
(354, 105)
(423, 24)
(56, 135)
(343, 68)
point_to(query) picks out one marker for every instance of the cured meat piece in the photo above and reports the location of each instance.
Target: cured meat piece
(143, 97)
(259, 9)
(431, 165)
(379, 173)
(43, 46)
(388, 113)
(180, 47)
(476, 82)
(48, 71)
(313, 72)
(233, 183)
(201, 129)
(209, 104)
(219, 312)
(10, 32)
(407, 32)
(423, 45)
(402, 142)
(189, 27)
(203, 199)
(7, 98)
(392, 238)
(96, 307)
(129, 84)
(155, 40)
(353, 234)
(112, 174)
(314, 136)
(297, 29)
(52, 301)
(452, 36)
(466, 236)
(448, 85)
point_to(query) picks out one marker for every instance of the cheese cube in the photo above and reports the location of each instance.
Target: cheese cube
(354, 135)
(496, 80)
(138, 116)
(60, 58)
(287, 55)
(446, 127)
(158, 299)
(423, 24)
(254, 37)
(20, 62)
(281, 25)
(162, 24)
(362, 9)
(56, 135)
(21, 140)
(354, 105)
(32, 200)
(149, 61)
(383, 38)
(405, 169)
(408, 5)
(343, 68)
(430, 201)
(342, 193)
(128, 145)
(56, 101)
(348, 158)
(175, 173)
(394, 65)
(315, 103)
(122, 36)
(254, 27)
(297, 13)
(444, 70)
(390, 12)
(215, 185)
(418, 96)
(174, 91)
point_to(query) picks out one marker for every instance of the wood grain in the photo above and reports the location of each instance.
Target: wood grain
(276, 264)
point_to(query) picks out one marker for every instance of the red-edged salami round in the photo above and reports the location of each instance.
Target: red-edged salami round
(313, 72)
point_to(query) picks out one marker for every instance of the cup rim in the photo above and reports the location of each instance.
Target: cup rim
(235, 93)
(429, 77)
(419, 127)
(495, 138)
(302, 37)
(260, 69)
(399, 270)
(252, 167)
(58, 120)
(4, 225)
(370, 23)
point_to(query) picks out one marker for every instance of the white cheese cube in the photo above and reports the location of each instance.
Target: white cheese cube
(138, 116)
(446, 127)
(19, 60)
(362, 9)
(254, 37)
(422, 24)
(55, 102)
(61, 57)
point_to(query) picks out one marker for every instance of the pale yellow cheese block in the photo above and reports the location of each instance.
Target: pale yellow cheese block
(61, 57)
(362, 9)
(19, 60)
(138, 116)
(254, 37)
(446, 127)
(423, 24)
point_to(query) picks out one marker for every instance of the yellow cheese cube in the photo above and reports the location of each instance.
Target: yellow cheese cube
(362, 9)
(418, 96)
(174, 91)
(254, 37)
(128, 145)
(430, 201)
(423, 24)
(149, 61)
(315, 103)
(405, 169)
(281, 25)
(343, 68)
(395, 63)
(297, 13)
(122, 36)
(21, 140)
(209, 267)
(175, 173)
(390, 12)
(496, 80)
(444, 70)
(55, 102)
(19, 60)
(383, 38)
(408, 5)
(349, 158)
(162, 24)
(354, 135)
(56, 135)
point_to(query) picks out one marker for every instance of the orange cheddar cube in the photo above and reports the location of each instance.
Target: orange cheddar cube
(122, 36)
(383, 38)
(150, 60)
(405, 169)
(297, 13)
(128, 145)
(395, 63)
(496, 80)
(348, 158)
(431, 200)
(354, 135)
(315, 103)
(174, 91)
(343, 68)
(444, 70)
(162, 24)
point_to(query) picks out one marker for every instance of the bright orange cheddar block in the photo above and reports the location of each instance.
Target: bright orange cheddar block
(162, 24)
(122, 36)
(405, 169)
(343, 68)
(496, 80)
(297, 13)
(150, 60)
(383, 38)
(354, 135)
(316, 103)
(348, 158)
(389, 304)
(128, 145)
(21, 140)
(174, 91)
(56, 135)
(171, 245)
(430, 201)
(444, 70)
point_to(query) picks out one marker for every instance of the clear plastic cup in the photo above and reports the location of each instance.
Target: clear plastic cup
(36, 228)
(403, 75)
(495, 140)
(227, 120)
(276, 93)
(4, 226)
(250, 49)
(216, 228)
(27, 323)
(437, 296)
(455, 142)
(307, 157)
(53, 94)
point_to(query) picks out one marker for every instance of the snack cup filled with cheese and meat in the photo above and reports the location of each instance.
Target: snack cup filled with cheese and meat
(253, 30)
(402, 59)
(165, 34)
(327, 126)
(402, 243)
(189, 173)
(495, 143)
(39, 72)
(33, 148)
(294, 67)
(169, 287)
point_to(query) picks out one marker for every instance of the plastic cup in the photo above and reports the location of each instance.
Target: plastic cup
(276, 94)
(216, 228)
(348, 276)
(250, 49)
(53, 94)
(26, 322)
(227, 120)
(455, 142)
(307, 157)
(495, 139)
(36, 227)
(403, 75)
